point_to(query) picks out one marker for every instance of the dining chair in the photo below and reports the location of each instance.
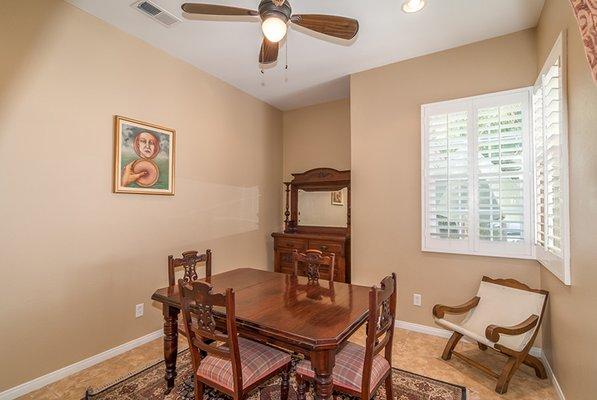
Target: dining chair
(232, 364)
(313, 261)
(359, 371)
(189, 261)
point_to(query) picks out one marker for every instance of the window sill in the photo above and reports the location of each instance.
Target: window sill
(480, 254)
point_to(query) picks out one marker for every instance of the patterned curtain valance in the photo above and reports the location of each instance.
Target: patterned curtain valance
(586, 15)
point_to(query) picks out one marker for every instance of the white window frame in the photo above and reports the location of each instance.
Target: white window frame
(559, 265)
(473, 245)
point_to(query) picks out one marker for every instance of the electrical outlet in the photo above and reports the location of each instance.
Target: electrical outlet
(417, 299)
(139, 310)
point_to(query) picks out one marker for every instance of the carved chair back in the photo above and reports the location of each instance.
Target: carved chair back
(313, 260)
(189, 261)
(197, 304)
(380, 327)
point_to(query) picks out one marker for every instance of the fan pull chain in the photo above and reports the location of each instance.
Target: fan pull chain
(286, 66)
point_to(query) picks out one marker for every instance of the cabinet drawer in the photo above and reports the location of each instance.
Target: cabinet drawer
(326, 247)
(287, 243)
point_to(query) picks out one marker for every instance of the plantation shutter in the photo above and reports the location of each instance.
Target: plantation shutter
(447, 177)
(477, 175)
(503, 175)
(551, 166)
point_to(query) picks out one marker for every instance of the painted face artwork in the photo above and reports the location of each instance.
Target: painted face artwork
(147, 145)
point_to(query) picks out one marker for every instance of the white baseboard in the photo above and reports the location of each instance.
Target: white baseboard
(62, 373)
(552, 378)
(433, 331)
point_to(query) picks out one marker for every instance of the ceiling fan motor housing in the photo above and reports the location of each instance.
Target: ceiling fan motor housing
(267, 9)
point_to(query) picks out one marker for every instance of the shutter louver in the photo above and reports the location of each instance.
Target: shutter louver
(548, 163)
(539, 160)
(447, 181)
(552, 148)
(500, 173)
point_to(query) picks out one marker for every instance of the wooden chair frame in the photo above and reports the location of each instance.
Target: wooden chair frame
(380, 335)
(313, 260)
(189, 261)
(197, 303)
(493, 332)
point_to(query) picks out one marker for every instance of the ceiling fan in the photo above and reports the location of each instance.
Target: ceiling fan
(275, 16)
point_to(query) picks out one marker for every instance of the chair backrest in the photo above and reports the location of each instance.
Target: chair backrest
(313, 260)
(507, 302)
(380, 327)
(197, 304)
(189, 261)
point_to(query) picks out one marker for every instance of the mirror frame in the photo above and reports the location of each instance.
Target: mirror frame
(315, 180)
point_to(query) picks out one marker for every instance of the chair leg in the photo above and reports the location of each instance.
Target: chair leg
(198, 389)
(482, 347)
(451, 345)
(537, 365)
(389, 387)
(507, 373)
(301, 385)
(284, 386)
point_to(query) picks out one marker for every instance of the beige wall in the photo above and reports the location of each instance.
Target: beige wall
(386, 160)
(317, 136)
(75, 258)
(570, 330)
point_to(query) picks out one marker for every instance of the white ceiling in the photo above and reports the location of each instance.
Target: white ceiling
(318, 70)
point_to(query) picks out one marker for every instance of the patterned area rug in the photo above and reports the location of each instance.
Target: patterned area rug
(149, 384)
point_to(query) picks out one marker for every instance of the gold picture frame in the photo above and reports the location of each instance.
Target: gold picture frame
(337, 198)
(144, 157)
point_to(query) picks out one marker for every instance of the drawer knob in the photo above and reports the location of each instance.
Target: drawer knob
(324, 248)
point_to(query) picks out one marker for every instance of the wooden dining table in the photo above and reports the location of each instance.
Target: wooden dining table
(313, 319)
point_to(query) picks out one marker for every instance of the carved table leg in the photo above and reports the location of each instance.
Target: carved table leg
(322, 362)
(170, 344)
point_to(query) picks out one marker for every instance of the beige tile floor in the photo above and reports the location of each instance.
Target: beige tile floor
(414, 352)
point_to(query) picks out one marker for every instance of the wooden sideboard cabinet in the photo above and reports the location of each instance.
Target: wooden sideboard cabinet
(312, 228)
(285, 243)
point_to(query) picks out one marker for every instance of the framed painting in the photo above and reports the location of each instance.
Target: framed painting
(338, 198)
(143, 157)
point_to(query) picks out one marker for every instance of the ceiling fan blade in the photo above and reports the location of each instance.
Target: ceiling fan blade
(214, 9)
(331, 25)
(269, 52)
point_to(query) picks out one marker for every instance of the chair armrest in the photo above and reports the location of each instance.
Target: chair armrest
(492, 332)
(439, 310)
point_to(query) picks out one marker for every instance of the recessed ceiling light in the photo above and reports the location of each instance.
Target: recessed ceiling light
(412, 6)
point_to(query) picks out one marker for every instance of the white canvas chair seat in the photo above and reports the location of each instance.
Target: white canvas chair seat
(514, 312)
(503, 306)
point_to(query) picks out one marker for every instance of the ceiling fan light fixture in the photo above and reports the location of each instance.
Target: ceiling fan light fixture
(274, 28)
(413, 6)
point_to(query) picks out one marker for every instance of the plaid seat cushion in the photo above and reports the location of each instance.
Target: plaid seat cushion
(257, 361)
(348, 371)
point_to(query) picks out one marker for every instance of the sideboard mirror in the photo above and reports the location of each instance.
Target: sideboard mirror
(318, 201)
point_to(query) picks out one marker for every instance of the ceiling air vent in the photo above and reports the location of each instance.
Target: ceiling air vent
(150, 9)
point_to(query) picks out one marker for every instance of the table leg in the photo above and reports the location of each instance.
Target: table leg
(170, 344)
(323, 362)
